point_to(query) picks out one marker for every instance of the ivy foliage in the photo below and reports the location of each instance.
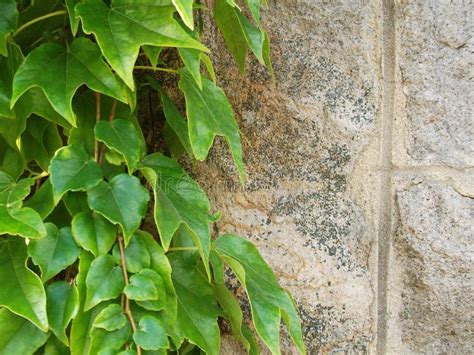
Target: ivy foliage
(80, 271)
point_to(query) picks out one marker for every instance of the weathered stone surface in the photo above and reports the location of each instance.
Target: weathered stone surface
(434, 248)
(301, 139)
(436, 58)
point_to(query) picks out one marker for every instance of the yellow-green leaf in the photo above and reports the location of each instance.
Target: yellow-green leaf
(79, 64)
(123, 27)
(210, 114)
(269, 302)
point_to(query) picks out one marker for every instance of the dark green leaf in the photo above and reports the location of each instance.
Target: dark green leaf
(152, 24)
(104, 281)
(197, 308)
(110, 318)
(11, 161)
(151, 334)
(18, 336)
(121, 136)
(103, 341)
(82, 323)
(40, 141)
(160, 263)
(239, 33)
(14, 219)
(267, 299)
(176, 122)
(42, 201)
(93, 232)
(178, 200)
(210, 114)
(137, 256)
(73, 67)
(160, 301)
(22, 291)
(55, 252)
(73, 20)
(8, 22)
(229, 25)
(123, 201)
(62, 307)
(72, 169)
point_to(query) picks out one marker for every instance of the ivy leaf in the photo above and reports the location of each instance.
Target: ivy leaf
(72, 169)
(121, 136)
(160, 264)
(22, 291)
(55, 347)
(82, 323)
(93, 232)
(110, 318)
(62, 307)
(40, 141)
(151, 335)
(173, 118)
(42, 201)
(142, 286)
(178, 200)
(71, 68)
(18, 335)
(254, 6)
(152, 24)
(267, 299)
(104, 281)
(73, 20)
(159, 302)
(210, 114)
(8, 22)
(15, 219)
(153, 54)
(104, 342)
(197, 307)
(55, 252)
(234, 314)
(123, 201)
(239, 33)
(137, 256)
(185, 10)
(192, 60)
(229, 25)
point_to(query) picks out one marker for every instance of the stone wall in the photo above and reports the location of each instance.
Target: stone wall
(360, 170)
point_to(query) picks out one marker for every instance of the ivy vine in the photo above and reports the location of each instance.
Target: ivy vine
(78, 272)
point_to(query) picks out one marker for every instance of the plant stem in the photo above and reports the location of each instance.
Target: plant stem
(126, 308)
(38, 19)
(182, 248)
(97, 119)
(144, 67)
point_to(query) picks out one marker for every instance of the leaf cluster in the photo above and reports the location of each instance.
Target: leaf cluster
(80, 271)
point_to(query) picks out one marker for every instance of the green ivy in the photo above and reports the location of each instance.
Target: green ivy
(79, 273)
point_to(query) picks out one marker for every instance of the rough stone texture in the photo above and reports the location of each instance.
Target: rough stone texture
(435, 54)
(434, 246)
